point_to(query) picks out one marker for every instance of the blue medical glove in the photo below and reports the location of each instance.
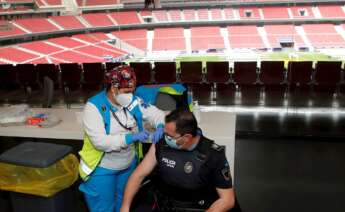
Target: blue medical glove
(157, 135)
(140, 136)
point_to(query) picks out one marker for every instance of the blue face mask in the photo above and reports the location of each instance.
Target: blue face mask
(171, 142)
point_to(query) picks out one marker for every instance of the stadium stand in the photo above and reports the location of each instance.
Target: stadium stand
(216, 14)
(316, 34)
(160, 15)
(241, 36)
(249, 13)
(10, 29)
(333, 11)
(175, 15)
(136, 38)
(41, 47)
(67, 22)
(229, 13)
(37, 25)
(97, 19)
(124, 18)
(275, 12)
(203, 14)
(168, 39)
(302, 12)
(189, 15)
(277, 35)
(99, 2)
(204, 38)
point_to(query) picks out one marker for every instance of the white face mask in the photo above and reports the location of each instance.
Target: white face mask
(124, 99)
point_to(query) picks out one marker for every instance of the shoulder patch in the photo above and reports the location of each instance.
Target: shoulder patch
(104, 108)
(217, 147)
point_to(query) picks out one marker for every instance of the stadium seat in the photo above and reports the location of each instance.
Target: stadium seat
(272, 75)
(9, 86)
(143, 72)
(93, 77)
(109, 66)
(299, 76)
(191, 75)
(218, 75)
(48, 77)
(245, 77)
(165, 72)
(327, 79)
(27, 78)
(71, 82)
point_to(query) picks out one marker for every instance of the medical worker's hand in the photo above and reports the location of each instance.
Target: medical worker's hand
(157, 135)
(140, 136)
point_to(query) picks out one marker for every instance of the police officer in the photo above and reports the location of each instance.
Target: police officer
(192, 171)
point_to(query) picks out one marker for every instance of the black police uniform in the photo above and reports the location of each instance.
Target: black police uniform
(188, 179)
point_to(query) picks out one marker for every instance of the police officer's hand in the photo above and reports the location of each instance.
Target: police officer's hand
(157, 135)
(140, 136)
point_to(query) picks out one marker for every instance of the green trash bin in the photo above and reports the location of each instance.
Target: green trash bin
(39, 176)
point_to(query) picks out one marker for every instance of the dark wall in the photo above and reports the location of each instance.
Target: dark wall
(290, 173)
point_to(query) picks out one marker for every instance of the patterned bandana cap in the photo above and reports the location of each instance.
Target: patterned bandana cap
(121, 77)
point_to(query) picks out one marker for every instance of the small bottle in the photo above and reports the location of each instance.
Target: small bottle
(196, 111)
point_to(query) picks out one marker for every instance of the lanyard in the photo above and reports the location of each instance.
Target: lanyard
(118, 120)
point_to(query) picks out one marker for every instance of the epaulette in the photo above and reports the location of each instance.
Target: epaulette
(218, 148)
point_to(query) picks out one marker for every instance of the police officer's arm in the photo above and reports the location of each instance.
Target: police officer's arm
(225, 202)
(139, 174)
(221, 179)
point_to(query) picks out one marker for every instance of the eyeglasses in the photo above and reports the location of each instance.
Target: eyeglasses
(176, 138)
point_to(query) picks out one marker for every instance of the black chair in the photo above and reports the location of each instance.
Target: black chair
(165, 72)
(272, 75)
(27, 77)
(143, 71)
(327, 79)
(71, 82)
(93, 79)
(245, 78)
(299, 77)
(191, 75)
(9, 87)
(48, 70)
(109, 66)
(218, 75)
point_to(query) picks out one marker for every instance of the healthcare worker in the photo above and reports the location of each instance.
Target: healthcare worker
(113, 123)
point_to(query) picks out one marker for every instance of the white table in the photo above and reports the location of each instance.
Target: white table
(217, 126)
(69, 128)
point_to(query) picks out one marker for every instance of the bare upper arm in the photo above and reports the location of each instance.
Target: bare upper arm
(148, 164)
(226, 193)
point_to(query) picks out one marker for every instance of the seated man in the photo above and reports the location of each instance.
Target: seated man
(192, 171)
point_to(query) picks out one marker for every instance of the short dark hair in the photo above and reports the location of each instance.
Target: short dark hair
(185, 121)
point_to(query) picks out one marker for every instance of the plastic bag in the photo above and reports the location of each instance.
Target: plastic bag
(39, 181)
(14, 115)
